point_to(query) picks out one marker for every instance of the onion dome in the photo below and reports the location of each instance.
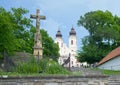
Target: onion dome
(72, 32)
(58, 34)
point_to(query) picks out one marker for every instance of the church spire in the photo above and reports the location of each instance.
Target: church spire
(72, 32)
(58, 33)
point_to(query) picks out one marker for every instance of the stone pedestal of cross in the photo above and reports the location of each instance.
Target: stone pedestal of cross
(37, 49)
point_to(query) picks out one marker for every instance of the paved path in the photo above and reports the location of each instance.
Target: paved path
(113, 79)
(87, 71)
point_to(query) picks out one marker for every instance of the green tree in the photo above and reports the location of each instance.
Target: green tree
(22, 27)
(104, 32)
(17, 34)
(13, 29)
(51, 49)
(7, 38)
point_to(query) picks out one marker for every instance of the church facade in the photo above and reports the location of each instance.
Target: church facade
(67, 52)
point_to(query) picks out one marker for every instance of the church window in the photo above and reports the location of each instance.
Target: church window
(72, 62)
(71, 42)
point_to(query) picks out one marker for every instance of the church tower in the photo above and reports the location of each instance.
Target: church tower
(73, 42)
(59, 40)
(67, 54)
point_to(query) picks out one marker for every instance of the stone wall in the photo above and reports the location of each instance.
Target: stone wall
(55, 80)
(114, 80)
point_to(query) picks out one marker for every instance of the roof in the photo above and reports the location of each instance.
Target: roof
(72, 32)
(113, 54)
(58, 34)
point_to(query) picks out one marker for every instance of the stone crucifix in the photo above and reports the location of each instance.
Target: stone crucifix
(38, 49)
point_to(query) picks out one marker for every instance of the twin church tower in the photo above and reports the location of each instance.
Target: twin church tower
(67, 51)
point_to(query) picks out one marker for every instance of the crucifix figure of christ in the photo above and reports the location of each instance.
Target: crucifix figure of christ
(37, 49)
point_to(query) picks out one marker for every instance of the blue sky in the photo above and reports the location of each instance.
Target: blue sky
(63, 14)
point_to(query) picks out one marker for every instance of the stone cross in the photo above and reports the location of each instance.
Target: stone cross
(37, 17)
(38, 50)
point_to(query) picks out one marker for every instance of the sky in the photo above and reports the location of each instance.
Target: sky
(63, 14)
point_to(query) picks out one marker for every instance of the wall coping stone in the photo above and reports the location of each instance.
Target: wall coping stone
(53, 77)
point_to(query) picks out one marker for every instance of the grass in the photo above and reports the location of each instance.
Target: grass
(107, 72)
(15, 74)
(46, 67)
(77, 73)
(27, 65)
(110, 72)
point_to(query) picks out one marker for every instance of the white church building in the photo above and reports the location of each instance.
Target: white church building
(69, 51)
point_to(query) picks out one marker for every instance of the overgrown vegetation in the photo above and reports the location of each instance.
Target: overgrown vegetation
(33, 67)
(44, 66)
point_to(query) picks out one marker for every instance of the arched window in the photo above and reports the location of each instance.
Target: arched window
(71, 42)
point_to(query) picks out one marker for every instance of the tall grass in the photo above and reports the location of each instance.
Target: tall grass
(30, 66)
(55, 68)
(45, 66)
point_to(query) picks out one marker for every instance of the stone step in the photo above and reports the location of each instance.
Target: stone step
(114, 80)
(114, 84)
